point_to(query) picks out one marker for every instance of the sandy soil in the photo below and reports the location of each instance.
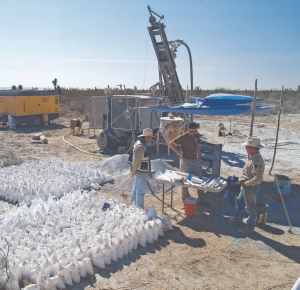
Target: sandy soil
(203, 251)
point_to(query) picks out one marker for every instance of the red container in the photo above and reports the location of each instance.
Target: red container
(190, 205)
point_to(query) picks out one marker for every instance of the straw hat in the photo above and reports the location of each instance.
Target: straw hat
(147, 132)
(253, 142)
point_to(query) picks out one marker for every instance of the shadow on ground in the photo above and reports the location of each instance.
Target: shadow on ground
(121, 263)
(233, 159)
(276, 219)
(29, 129)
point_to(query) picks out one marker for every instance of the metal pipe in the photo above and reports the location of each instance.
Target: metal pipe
(191, 65)
(178, 41)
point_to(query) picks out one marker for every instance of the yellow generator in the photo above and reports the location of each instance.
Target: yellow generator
(35, 107)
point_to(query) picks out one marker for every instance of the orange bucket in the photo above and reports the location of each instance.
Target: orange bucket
(190, 205)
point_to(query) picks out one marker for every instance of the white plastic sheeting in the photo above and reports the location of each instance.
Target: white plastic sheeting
(53, 243)
(28, 181)
(169, 175)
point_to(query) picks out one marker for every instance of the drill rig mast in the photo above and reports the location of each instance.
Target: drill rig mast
(167, 67)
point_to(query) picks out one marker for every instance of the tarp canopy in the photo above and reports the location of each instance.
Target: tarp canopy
(215, 105)
(224, 100)
(205, 110)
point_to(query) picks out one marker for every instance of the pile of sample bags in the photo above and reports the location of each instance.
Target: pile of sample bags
(28, 181)
(54, 243)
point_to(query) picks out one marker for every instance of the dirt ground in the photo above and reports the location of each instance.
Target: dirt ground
(203, 251)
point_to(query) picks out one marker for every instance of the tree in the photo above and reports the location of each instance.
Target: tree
(197, 89)
(54, 82)
(13, 87)
(20, 87)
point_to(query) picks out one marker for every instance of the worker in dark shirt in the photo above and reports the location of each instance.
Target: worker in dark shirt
(189, 153)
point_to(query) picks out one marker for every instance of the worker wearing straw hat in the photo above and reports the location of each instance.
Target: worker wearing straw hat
(140, 166)
(251, 178)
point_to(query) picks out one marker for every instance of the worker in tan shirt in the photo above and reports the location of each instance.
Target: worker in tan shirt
(140, 166)
(251, 178)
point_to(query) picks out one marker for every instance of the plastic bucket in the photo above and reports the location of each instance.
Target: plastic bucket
(262, 213)
(284, 184)
(190, 205)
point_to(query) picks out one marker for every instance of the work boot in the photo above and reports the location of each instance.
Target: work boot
(247, 230)
(235, 221)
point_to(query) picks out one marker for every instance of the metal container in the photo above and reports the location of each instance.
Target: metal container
(262, 213)
(170, 127)
(284, 184)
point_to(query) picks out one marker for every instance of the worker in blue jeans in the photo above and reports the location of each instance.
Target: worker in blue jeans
(251, 178)
(249, 193)
(140, 166)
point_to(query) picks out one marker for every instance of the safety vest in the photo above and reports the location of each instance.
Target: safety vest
(144, 166)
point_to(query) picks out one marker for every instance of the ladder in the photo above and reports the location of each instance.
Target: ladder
(166, 63)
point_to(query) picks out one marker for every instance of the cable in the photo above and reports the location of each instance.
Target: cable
(63, 137)
(130, 123)
(127, 114)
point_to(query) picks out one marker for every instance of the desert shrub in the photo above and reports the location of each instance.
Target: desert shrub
(9, 158)
(76, 102)
(291, 98)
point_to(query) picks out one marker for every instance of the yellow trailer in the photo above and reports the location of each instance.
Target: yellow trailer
(29, 106)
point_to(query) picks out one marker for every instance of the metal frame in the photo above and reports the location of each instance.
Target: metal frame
(214, 191)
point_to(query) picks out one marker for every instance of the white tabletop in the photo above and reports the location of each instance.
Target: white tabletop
(194, 185)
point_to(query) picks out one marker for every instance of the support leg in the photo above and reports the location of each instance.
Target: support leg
(213, 207)
(158, 142)
(163, 198)
(220, 202)
(172, 196)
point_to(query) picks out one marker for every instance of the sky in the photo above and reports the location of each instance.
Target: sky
(96, 43)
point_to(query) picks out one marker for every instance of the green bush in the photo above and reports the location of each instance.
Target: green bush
(75, 102)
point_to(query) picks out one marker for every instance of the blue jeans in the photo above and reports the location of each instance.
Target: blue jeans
(138, 191)
(247, 200)
(194, 167)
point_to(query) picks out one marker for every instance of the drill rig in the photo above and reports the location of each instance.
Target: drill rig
(165, 57)
(121, 117)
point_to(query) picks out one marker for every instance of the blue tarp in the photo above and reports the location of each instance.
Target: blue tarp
(226, 100)
(215, 105)
(205, 110)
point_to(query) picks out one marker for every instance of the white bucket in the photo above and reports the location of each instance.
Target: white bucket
(284, 184)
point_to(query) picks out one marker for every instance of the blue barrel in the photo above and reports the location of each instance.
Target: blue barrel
(230, 196)
(233, 188)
